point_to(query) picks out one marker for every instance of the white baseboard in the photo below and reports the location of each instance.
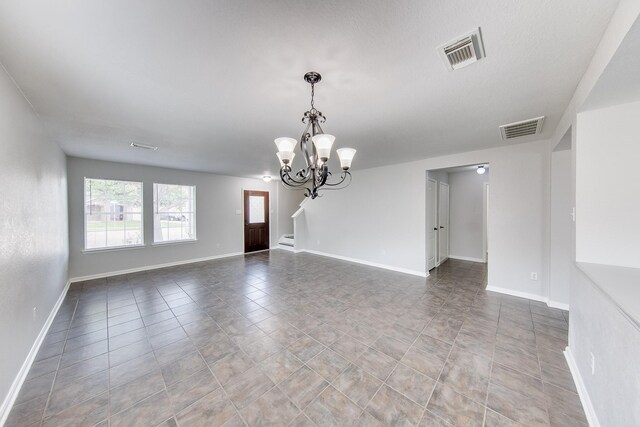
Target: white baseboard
(560, 305)
(589, 410)
(534, 297)
(371, 264)
(284, 248)
(14, 390)
(526, 295)
(151, 267)
(466, 258)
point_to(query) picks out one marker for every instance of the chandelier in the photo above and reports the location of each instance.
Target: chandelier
(315, 175)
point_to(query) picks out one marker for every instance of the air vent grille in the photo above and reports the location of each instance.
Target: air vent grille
(462, 51)
(522, 128)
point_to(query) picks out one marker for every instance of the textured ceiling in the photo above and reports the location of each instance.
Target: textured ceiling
(212, 83)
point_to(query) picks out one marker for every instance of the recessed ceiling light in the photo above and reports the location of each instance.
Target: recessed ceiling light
(266, 178)
(144, 146)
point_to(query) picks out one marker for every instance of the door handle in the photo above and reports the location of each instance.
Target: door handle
(435, 228)
(441, 226)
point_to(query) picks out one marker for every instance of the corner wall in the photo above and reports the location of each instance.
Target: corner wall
(219, 228)
(33, 235)
(381, 217)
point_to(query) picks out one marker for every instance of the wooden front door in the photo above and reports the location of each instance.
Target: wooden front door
(256, 220)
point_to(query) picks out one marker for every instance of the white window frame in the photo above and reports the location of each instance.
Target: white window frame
(155, 213)
(84, 216)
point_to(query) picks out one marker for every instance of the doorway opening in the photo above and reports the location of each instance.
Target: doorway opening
(457, 214)
(256, 220)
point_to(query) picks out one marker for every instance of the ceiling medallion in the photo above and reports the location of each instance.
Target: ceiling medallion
(315, 175)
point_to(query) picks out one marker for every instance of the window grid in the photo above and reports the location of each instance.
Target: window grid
(174, 213)
(113, 214)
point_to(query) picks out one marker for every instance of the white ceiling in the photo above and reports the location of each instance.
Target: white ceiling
(212, 83)
(620, 81)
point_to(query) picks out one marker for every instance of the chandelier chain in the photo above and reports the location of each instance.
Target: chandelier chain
(312, 94)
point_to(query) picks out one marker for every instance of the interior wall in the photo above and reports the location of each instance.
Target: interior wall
(561, 228)
(288, 202)
(466, 215)
(381, 217)
(33, 235)
(219, 219)
(607, 202)
(597, 326)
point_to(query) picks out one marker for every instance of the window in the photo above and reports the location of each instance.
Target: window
(174, 216)
(112, 214)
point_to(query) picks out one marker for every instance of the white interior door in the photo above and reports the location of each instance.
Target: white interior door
(432, 228)
(443, 222)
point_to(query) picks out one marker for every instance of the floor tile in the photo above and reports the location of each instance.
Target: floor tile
(392, 408)
(376, 363)
(279, 366)
(272, 409)
(467, 373)
(411, 384)
(332, 408)
(151, 411)
(131, 393)
(357, 385)
(518, 407)
(247, 387)
(163, 341)
(303, 386)
(455, 408)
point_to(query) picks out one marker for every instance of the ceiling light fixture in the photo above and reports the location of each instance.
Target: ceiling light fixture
(266, 178)
(144, 146)
(313, 177)
(481, 169)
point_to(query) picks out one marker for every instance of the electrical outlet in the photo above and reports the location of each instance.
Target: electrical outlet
(534, 275)
(238, 212)
(35, 313)
(318, 242)
(592, 363)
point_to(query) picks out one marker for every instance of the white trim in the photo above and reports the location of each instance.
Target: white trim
(466, 258)
(526, 295)
(151, 267)
(11, 396)
(560, 305)
(371, 264)
(589, 410)
(284, 248)
(534, 297)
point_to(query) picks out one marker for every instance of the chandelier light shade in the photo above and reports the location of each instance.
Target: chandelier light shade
(315, 146)
(481, 170)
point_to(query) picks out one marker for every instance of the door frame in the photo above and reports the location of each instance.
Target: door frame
(485, 219)
(245, 219)
(440, 260)
(432, 210)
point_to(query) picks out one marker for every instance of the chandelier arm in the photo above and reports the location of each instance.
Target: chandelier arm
(288, 180)
(335, 184)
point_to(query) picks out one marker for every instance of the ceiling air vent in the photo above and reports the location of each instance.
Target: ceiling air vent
(463, 51)
(523, 128)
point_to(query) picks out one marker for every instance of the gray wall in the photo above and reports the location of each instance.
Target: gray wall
(288, 202)
(597, 326)
(466, 214)
(219, 229)
(561, 227)
(381, 217)
(33, 235)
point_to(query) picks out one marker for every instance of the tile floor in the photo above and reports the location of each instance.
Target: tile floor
(280, 339)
